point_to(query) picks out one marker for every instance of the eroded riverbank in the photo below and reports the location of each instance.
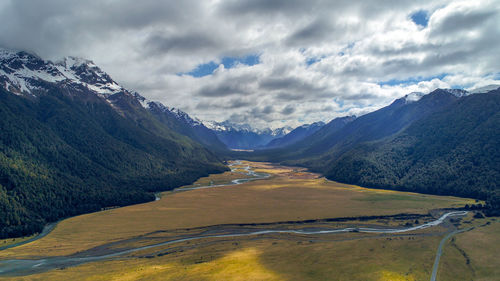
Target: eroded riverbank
(241, 207)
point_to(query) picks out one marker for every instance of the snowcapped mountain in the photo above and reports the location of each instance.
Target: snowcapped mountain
(458, 92)
(416, 96)
(93, 143)
(230, 126)
(183, 116)
(281, 131)
(26, 74)
(296, 135)
(485, 89)
(176, 112)
(244, 136)
(412, 97)
(23, 73)
(184, 124)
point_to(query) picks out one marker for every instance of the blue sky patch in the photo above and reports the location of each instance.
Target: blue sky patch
(420, 17)
(310, 61)
(411, 80)
(228, 62)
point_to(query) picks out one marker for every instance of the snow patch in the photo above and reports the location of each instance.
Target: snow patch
(457, 92)
(413, 97)
(485, 89)
(183, 116)
(23, 69)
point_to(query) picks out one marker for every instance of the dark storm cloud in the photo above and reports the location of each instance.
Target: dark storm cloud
(288, 96)
(461, 22)
(261, 113)
(268, 109)
(266, 7)
(317, 31)
(234, 103)
(53, 27)
(360, 96)
(222, 90)
(289, 109)
(290, 84)
(238, 103)
(145, 44)
(182, 43)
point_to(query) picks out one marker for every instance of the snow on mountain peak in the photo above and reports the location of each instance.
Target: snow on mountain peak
(485, 89)
(315, 124)
(142, 100)
(6, 54)
(213, 125)
(183, 116)
(230, 126)
(70, 62)
(457, 92)
(413, 97)
(281, 131)
(416, 96)
(23, 73)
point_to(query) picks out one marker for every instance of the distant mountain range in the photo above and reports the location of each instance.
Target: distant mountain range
(453, 151)
(444, 142)
(73, 141)
(295, 135)
(243, 136)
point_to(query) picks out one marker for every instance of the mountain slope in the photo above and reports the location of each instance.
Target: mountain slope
(295, 135)
(330, 143)
(237, 136)
(382, 123)
(294, 150)
(182, 123)
(454, 151)
(74, 141)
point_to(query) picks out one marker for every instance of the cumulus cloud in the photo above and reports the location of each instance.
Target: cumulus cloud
(317, 59)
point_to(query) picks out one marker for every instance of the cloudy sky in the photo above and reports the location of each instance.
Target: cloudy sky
(268, 62)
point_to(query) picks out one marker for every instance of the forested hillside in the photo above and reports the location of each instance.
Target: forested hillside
(66, 149)
(446, 142)
(455, 151)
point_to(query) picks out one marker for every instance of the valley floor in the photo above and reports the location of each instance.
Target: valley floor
(289, 200)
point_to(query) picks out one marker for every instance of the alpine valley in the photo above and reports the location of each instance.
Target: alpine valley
(73, 141)
(253, 140)
(192, 200)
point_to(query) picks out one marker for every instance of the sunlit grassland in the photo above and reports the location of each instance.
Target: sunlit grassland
(218, 179)
(473, 255)
(10, 241)
(283, 197)
(286, 258)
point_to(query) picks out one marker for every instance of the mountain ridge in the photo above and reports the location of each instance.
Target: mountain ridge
(72, 145)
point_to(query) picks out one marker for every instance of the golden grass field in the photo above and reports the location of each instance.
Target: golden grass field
(271, 259)
(473, 255)
(10, 241)
(289, 194)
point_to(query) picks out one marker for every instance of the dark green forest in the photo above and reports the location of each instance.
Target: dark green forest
(63, 154)
(440, 144)
(454, 151)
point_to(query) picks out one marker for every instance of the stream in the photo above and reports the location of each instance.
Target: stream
(20, 267)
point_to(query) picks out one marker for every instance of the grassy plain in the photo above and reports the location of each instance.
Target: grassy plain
(473, 255)
(290, 194)
(280, 198)
(10, 241)
(396, 258)
(218, 179)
